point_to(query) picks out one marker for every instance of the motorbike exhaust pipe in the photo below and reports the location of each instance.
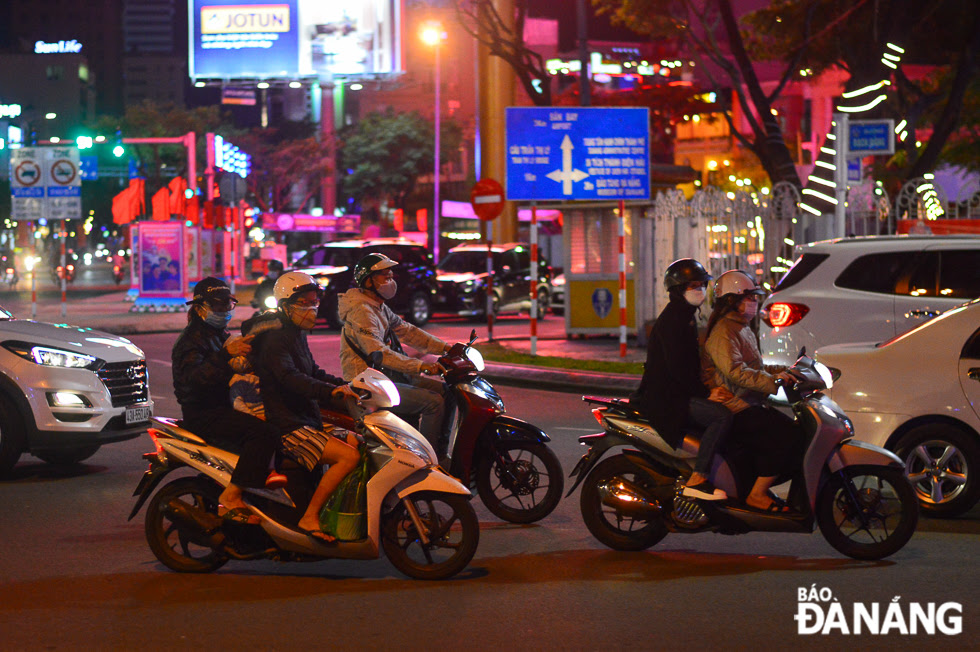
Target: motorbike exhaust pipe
(629, 499)
(198, 526)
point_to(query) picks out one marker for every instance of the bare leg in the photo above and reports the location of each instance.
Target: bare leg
(231, 497)
(695, 479)
(759, 495)
(342, 459)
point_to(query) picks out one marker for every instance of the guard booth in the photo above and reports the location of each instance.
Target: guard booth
(591, 261)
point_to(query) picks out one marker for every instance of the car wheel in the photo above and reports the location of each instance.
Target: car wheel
(942, 463)
(66, 456)
(11, 437)
(419, 309)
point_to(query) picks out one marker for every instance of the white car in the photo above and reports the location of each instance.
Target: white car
(918, 394)
(864, 289)
(65, 391)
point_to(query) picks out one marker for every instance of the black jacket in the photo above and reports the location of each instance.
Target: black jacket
(200, 368)
(672, 374)
(292, 385)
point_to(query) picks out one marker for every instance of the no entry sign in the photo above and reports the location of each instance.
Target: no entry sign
(487, 198)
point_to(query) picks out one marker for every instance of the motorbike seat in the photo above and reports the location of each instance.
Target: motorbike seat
(174, 428)
(621, 405)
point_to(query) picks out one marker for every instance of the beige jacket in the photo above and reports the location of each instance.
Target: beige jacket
(366, 320)
(730, 358)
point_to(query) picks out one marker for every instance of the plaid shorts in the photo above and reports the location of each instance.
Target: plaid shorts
(306, 444)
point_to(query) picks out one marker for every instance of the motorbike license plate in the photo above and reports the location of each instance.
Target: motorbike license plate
(137, 415)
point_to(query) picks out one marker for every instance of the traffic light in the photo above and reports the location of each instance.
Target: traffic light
(118, 151)
(84, 142)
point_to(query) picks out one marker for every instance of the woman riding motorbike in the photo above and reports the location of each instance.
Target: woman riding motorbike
(731, 359)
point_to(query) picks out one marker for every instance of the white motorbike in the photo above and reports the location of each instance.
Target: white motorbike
(420, 516)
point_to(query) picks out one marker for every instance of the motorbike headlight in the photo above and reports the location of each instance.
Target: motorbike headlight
(825, 374)
(51, 357)
(409, 443)
(270, 302)
(476, 358)
(323, 282)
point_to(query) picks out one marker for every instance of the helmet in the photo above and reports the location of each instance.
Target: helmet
(369, 265)
(736, 282)
(684, 271)
(292, 283)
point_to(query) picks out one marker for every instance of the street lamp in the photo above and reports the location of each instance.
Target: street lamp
(433, 34)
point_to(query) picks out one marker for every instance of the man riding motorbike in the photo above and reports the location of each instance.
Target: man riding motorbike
(201, 374)
(370, 325)
(731, 359)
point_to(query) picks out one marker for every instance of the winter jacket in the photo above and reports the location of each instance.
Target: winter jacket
(293, 386)
(731, 359)
(366, 321)
(200, 367)
(672, 374)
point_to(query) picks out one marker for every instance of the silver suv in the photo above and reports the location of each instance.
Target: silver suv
(866, 290)
(65, 391)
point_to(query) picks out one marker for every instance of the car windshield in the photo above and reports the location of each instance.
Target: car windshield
(335, 256)
(462, 262)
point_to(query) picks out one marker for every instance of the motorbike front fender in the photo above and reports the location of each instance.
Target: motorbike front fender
(430, 480)
(854, 453)
(506, 428)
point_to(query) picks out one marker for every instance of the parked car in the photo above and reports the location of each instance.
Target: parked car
(558, 291)
(463, 280)
(66, 391)
(918, 394)
(869, 288)
(332, 265)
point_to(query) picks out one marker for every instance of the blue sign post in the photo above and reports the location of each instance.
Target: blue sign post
(870, 137)
(591, 153)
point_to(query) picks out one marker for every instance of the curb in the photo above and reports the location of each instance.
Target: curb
(564, 380)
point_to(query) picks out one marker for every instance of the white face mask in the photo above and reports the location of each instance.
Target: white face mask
(387, 289)
(750, 308)
(695, 297)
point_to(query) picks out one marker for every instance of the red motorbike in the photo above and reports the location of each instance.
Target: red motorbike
(517, 476)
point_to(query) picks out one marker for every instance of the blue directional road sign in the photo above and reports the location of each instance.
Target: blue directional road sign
(556, 153)
(870, 137)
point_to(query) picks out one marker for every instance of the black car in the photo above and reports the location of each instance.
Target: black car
(463, 280)
(332, 265)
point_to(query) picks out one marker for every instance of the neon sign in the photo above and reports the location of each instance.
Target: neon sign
(59, 47)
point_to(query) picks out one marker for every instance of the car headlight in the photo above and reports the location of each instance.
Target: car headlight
(323, 282)
(409, 443)
(51, 357)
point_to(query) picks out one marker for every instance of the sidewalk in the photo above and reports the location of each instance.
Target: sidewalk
(111, 313)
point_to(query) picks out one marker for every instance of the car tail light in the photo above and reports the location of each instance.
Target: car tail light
(781, 315)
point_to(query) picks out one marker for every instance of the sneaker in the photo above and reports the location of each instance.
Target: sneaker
(704, 490)
(276, 481)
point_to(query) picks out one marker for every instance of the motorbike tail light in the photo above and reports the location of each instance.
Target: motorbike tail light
(597, 413)
(781, 315)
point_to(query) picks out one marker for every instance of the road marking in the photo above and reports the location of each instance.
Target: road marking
(168, 363)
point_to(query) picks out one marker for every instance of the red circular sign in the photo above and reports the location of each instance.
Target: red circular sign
(63, 172)
(487, 198)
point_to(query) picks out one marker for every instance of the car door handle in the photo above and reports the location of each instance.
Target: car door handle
(923, 313)
(974, 374)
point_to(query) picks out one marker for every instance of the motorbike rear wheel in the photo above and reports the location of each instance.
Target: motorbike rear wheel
(609, 525)
(869, 513)
(451, 526)
(181, 546)
(523, 487)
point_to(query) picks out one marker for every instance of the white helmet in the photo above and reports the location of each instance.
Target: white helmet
(292, 283)
(736, 282)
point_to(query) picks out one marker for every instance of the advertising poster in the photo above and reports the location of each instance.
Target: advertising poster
(294, 38)
(161, 257)
(207, 252)
(192, 267)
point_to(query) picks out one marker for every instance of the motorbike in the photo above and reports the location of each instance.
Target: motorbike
(505, 459)
(418, 515)
(117, 273)
(856, 493)
(10, 277)
(68, 272)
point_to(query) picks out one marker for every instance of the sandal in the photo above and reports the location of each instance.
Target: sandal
(777, 506)
(240, 515)
(319, 535)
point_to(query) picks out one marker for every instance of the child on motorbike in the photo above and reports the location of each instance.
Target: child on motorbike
(671, 393)
(293, 387)
(731, 359)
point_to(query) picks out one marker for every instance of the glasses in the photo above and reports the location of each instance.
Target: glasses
(222, 304)
(307, 303)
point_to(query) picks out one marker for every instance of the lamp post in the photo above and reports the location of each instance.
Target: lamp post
(433, 34)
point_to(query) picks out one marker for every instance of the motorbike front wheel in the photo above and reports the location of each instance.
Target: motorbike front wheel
(175, 540)
(520, 482)
(451, 528)
(867, 512)
(610, 525)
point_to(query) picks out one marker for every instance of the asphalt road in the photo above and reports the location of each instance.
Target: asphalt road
(74, 574)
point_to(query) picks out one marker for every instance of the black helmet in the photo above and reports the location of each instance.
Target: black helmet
(684, 271)
(369, 265)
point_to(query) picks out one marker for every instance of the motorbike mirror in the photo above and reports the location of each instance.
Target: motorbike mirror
(472, 337)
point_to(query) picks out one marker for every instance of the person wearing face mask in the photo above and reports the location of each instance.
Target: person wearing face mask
(201, 372)
(731, 360)
(671, 394)
(370, 325)
(293, 388)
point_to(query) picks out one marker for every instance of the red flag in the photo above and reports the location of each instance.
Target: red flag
(192, 211)
(161, 205)
(399, 222)
(121, 203)
(137, 200)
(178, 198)
(422, 217)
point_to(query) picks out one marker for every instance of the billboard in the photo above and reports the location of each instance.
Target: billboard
(294, 38)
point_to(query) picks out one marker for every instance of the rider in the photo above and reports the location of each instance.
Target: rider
(294, 387)
(671, 393)
(201, 372)
(731, 359)
(370, 325)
